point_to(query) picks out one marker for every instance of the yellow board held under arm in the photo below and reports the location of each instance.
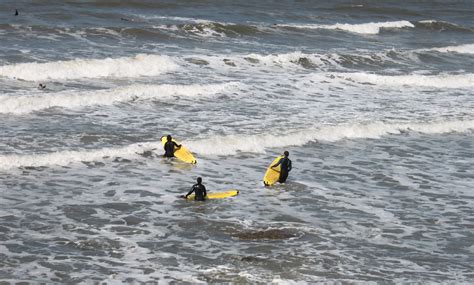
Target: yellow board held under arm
(181, 153)
(273, 174)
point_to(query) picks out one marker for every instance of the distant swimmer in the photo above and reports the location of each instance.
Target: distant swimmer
(16, 12)
(170, 147)
(199, 191)
(41, 86)
(286, 167)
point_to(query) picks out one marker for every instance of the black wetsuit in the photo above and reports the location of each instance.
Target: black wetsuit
(199, 191)
(169, 148)
(285, 168)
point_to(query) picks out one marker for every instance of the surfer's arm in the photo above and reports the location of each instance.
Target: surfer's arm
(204, 190)
(290, 167)
(278, 163)
(176, 145)
(190, 192)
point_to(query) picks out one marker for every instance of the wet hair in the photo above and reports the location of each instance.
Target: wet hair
(286, 153)
(168, 138)
(199, 180)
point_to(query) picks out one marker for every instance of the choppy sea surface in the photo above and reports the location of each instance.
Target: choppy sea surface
(373, 99)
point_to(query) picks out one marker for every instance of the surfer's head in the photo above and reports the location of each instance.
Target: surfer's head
(286, 153)
(199, 180)
(168, 138)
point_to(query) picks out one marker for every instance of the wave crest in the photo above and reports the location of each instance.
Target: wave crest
(212, 29)
(30, 103)
(442, 26)
(233, 144)
(365, 28)
(139, 65)
(468, 49)
(435, 81)
(226, 29)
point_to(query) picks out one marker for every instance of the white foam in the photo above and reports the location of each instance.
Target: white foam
(28, 103)
(443, 24)
(436, 81)
(427, 21)
(206, 31)
(233, 144)
(468, 49)
(290, 60)
(285, 59)
(139, 65)
(67, 157)
(173, 18)
(365, 28)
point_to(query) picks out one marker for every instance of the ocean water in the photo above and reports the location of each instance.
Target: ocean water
(373, 99)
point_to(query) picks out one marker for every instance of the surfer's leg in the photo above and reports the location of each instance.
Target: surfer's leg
(283, 176)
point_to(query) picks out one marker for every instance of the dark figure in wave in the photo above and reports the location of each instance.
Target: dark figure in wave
(199, 190)
(286, 167)
(170, 147)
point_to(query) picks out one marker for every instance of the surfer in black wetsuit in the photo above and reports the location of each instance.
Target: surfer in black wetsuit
(170, 147)
(286, 167)
(199, 191)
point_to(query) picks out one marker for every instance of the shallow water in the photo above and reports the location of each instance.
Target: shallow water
(372, 100)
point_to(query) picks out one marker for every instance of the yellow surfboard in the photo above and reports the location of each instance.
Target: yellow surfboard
(218, 195)
(181, 153)
(273, 174)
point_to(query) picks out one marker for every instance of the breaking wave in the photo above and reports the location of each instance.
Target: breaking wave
(207, 28)
(365, 28)
(442, 26)
(233, 144)
(68, 157)
(436, 81)
(468, 49)
(298, 59)
(29, 103)
(139, 65)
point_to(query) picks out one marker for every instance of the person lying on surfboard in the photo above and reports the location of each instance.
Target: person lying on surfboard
(199, 190)
(285, 167)
(170, 147)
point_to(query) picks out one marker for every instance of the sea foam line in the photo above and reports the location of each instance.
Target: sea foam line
(436, 81)
(139, 65)
(233, 144)
(23, 104)
(365, 28)
(67, 157)
(467, 48)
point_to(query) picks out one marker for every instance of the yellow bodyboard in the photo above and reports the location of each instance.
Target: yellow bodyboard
(218, 195)
(273, 174)
(182, 153)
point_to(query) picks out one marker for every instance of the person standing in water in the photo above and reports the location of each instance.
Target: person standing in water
(286, 167)
(170, 147)
(199, 191)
